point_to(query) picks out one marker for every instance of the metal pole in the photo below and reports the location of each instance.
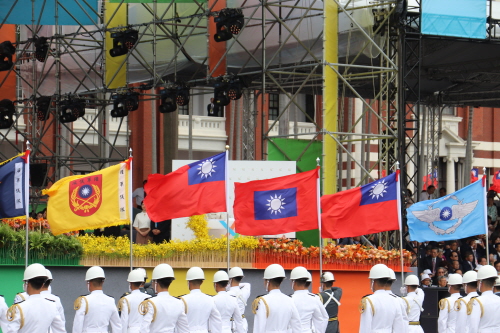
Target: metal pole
(154, 150)
(226, 171)
(468, 149)
(486, 219)
(131, 210)
(26, 201)
(318, 204)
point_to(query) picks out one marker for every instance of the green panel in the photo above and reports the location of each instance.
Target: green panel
(280, 149)
(158, 1)
(12, 282)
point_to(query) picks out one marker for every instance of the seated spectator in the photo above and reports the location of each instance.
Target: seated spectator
(442, 281)
(496, 251)
(455, 265)
(426, 281)
(459, 271)
(483, 261)
(350, 240)
(469, 264)
(441, 272)
(497, 265)
(454, 255)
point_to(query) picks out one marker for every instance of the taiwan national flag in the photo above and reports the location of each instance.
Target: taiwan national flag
(194, 189)
(277, 205)
(474, 175)
(496, 182)
(430, 179)
(14, 175)
(362, 210)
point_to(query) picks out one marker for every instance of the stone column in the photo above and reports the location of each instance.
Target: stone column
(450, 174)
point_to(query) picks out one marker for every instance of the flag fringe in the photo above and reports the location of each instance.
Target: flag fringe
(10, 159)
(102, 225)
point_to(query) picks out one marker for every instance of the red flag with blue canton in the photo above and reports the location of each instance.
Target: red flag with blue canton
(277, 205)
(194, 189)
(474, 175)
(496, 182)
(362, 210)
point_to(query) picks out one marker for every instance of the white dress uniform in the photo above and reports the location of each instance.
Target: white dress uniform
(484, 315)
(447, 320)
(242, 293)
(202, 313)
(164, 314)
(275, 313)
(405, 308)
(3, 314)
(461, 309)
(21, 297)
(229, 312)
(415, 301)
(381, 313)
(312, 313)
(128, 306)
(95, 312)
(57, 301)
(36, 314)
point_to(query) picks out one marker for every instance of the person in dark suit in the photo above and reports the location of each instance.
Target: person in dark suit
(468, 264)
(213, 109)
(432, 262)
(161, 231)
(475, 247)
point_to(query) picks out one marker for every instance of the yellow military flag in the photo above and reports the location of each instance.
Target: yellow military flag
(96, 200)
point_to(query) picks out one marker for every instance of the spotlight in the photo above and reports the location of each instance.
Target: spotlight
(220, 92)
(41, 48)
(7, 111)
(229, 22)
(182, 97)
(123, 41)
(43, 107)
(236, 85)
(168, 101)
(7, 50)
(71, 110)
(124, 103)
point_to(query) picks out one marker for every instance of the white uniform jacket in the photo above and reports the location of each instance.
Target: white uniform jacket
(21, 297)
(275, 313)
(484, 313)
(381, 313)
(202, 313)
(415, 303)
(57, 301)
(3, 314)
(128, 306)
(242, 293)
(405, 309)
(36, 314)
(312, 313)
(95, 312)
(229, 312)
(447, 320)
(164, 314)
(461, 309)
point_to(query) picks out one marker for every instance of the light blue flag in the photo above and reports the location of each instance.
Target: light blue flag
(458, 215)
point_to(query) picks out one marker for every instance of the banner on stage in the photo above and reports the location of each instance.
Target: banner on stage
(13, 186)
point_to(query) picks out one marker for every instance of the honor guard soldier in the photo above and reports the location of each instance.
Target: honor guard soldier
(21, 297)
(163, 313)
(330, 297)
(36, 313)
(483, 310)
(3, 314)
(48, 295)
(447, 315)
(405, 306)
(496, 289)
(96, 311)
(415, 298)
(202, 315)
(312, 313)
(469, 281)
(227, 305)
(380, 312)
(240, 290)
(275, 312)
(128, 306)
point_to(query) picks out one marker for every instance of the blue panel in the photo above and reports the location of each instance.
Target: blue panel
(458, 18)
(74, 12)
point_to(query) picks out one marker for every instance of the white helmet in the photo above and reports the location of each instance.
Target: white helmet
(274, 271)
(235, 271)
(411, 280)
(469, 276)
(195, 273)
(327, 276)
(392, 275)
(299, 272)
(310, 278)
(221, 276)
(425, 277)
(135, 276)
(486, 272)
(143, 271)
(49, 275)
(162, 271)
(454, 279)
(497, 284)
(379, 271)
(33, 271)
(94, 272)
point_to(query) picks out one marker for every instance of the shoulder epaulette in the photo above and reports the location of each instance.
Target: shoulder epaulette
(260, 296)
(109, 296)
(78, 303)
(84, 295)
(255, 305)
(183, 301)
(11, 314)
(50, 300)
(20, 301)
(232, 296)
(311, 294)
(290, 295)
(241, 287)
(122, 301)
(362, 304)
(471, 303)
(366, 295)
(442, 304)
(180, 295)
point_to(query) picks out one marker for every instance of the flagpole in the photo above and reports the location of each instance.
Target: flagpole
(131, 209)
(400, 221)
(318, 204)
(226, 182)
(486, 217)
(27, 199)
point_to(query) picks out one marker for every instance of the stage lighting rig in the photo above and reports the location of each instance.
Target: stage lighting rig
(182, 94)
(41, 48)
(7, 50)
(43, 107)
(123, 41)
(228, 22)
(71, 109)
(220, 91)
(124, 103)
(7, 111)
(168, 98)
(236, 85)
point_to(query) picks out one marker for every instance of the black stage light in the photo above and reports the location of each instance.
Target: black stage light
(71, 110)
(228, 22)
(124, 103)
(168, 100)
(123, 41)
(220, 92)
(41, 48)
(7, 50)
(42, 107)
(7, 111)
(236, 85)
(182, 93)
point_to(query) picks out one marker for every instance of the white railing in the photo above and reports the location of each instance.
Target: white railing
(208, 133)
(302, 129)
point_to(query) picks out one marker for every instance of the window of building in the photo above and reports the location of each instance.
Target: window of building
(274, 106)
(310, 108)
(449, 110)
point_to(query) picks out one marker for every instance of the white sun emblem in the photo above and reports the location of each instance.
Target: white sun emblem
(446, 213)
(206, 168)
(275, 204)
(85, 191)
(378, 190)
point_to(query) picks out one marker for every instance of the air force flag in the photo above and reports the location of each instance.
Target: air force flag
(458, 215)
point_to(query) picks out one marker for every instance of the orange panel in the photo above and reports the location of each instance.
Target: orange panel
(8, 88)
(215, 50)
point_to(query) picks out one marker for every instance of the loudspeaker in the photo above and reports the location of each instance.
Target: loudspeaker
(38, 174)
